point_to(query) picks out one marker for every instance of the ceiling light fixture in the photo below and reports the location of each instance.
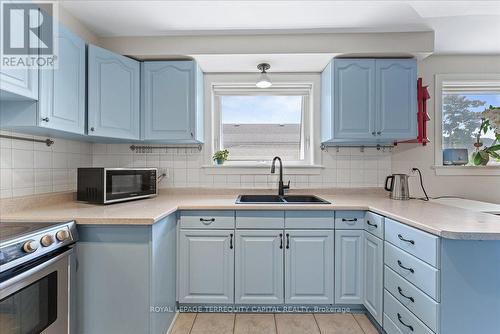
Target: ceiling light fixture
(264, 81)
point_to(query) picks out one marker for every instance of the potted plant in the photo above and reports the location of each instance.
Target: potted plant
(490, 120)
(220, 156)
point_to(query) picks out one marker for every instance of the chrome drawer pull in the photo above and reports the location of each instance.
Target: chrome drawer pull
(281, 240)
(287, 241)
(231, 241)
(371, 224)
(406, 240)
(207, 221)
(349, 219)
(401, 321)
(411, 270)
(402, 294)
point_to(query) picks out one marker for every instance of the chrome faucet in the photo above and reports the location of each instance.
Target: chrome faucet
(281, 186)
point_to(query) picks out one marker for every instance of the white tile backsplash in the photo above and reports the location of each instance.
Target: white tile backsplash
(347, 167)
(33, 168)
(28, 168)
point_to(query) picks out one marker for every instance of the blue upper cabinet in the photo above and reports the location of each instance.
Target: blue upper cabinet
(172, 101)
(18, 84)
(367, 101)
(397, 98)
(62, 90)
(354, 99)
(113, 95)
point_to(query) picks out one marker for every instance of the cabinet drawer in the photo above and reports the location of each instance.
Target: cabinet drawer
(424, 276)
(403, 319)
(350, 220)
(423, 245)
(424, 307)
(309, 219)
(390, 327)
(207, 219)
(260, 219)
(374, 224)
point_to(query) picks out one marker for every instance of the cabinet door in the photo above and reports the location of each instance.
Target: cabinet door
(354, 99)
(18, 84)
(373, 266)
(169, 99)
(113, 95)
(62, 100)
(206, 266)
(396, 99)
(259, 267)
(349, 266)
(309, 267)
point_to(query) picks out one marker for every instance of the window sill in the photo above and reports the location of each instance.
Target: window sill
(493, 170)
(260, 168)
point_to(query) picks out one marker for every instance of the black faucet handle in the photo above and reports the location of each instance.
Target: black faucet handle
(287, 186)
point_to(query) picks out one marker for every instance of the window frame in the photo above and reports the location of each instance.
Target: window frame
(297, 88)
(246, 80)
(474, 82)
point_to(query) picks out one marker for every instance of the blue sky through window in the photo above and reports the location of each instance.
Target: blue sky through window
(261, 109)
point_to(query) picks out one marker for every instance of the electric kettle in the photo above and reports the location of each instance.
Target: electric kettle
(399, 186)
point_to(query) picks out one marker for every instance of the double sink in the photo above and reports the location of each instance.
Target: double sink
(278, 199)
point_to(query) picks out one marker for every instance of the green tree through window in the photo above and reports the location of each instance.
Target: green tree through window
(460, 120)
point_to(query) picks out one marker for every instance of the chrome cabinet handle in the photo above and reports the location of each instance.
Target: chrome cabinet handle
(281, 240)
(401, 321)
(207, 221)
(373, 133)
(45, 119)
(379, 133)
(371, 224)
(406, 240)
(411, 270)
(349, 219)
(402, 294)
(231, 241)
(287, 241)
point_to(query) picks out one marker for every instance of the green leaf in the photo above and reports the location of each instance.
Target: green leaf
(476, 158)
(494, 148)
(495, 155)
(484, 155)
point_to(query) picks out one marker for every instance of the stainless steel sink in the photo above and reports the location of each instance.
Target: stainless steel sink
(276, 199)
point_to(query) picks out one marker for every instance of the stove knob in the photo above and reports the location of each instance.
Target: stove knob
(62, 235)
(47, 240)
(30, 246)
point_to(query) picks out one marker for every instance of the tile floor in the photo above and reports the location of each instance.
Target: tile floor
(245, 323)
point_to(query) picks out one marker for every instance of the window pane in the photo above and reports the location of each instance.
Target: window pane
(259, 127)
(461, 119)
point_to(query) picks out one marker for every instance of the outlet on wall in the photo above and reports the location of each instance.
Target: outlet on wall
(163, 173)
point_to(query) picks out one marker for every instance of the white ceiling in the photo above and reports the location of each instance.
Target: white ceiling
(461, 27)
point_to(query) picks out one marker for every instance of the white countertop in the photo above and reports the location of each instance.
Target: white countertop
(438, 219)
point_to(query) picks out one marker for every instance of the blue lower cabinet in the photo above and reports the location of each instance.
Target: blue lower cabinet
(113, 95)
(206, 266)
(309, 266)
(125, 278)
(172, 102)
(259, 267)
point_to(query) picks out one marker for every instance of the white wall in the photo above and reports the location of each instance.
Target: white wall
(485, 188)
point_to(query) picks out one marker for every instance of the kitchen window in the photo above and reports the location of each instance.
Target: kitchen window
(255, 125)
(460, 99)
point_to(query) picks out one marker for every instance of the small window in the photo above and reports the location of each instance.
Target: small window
(257, 125)
(462, 103)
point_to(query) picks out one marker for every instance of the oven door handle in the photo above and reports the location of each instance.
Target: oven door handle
(32, 271)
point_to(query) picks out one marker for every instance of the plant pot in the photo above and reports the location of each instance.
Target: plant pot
(219, 161)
